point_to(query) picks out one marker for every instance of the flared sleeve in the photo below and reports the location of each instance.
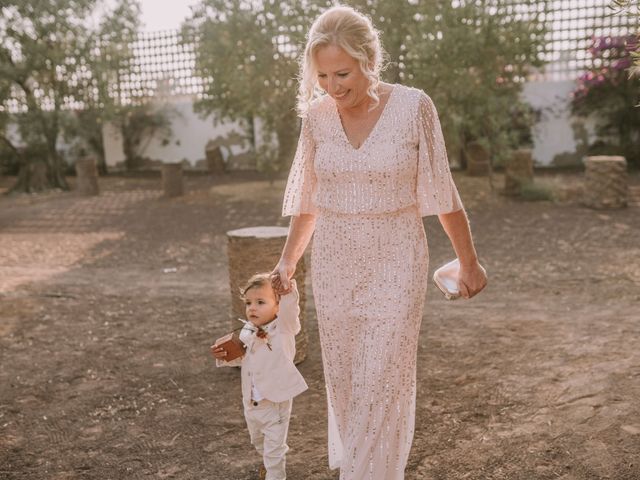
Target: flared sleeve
(436, 193)
(298, 194)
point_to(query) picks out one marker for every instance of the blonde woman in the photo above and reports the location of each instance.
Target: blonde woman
(370, 163)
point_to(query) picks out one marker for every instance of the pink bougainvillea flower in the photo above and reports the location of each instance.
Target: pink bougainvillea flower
(621, 64)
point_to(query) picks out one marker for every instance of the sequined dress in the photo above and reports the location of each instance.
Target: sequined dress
(369, 263)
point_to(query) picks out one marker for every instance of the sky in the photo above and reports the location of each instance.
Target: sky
(164, 15)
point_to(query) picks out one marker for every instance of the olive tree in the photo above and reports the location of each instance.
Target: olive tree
(249, 53)
(54, 59)
(472, 57)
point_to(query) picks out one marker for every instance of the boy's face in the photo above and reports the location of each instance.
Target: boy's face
(260, 304)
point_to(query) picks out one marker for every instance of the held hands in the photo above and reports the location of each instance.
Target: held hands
(281, 275)
(473, 278)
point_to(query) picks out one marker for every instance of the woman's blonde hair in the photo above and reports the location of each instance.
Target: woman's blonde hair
(350, 30)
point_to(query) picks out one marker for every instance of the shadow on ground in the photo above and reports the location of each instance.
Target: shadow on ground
(108, 306)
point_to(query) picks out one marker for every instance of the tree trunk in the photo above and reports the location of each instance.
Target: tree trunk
(55, 173)
(97, 145)
(54, 162)
(32, 177)
(102, 164)
(22, 182)
(628, 147)
(35, 176)
(127, 148)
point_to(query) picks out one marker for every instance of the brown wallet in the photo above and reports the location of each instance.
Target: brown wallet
(232, 345)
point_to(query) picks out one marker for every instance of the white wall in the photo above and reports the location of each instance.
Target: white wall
(553, 134)
(190, 134)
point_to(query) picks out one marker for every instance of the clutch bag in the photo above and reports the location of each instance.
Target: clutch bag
(446, 279)
(232, 345)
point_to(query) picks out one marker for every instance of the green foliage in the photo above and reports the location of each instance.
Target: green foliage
(392, 19)
(471, 57)
(249, 51)
(534, 192)
(8, 153)
(110, 56)
(630, 7)
(54, 59)
(138, 125)
(611, 95)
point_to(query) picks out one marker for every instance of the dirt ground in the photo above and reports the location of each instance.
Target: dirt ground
(105, 371)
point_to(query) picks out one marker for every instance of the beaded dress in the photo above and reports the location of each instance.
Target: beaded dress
(369, 266)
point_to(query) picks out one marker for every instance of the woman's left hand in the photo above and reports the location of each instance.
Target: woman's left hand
(473, 278)
(281, 277)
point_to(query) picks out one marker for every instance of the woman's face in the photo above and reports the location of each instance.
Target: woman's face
(339, 75)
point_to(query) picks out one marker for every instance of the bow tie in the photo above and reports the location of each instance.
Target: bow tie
(248, 334)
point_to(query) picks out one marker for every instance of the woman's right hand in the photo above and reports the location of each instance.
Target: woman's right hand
(472, 279)
(281, 275)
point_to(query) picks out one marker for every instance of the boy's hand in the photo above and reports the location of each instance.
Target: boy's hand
(218, 352)
(281, 276)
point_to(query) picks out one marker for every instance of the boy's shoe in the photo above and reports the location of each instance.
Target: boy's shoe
(263, 472)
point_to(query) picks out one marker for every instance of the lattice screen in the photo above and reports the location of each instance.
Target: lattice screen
(163, 66)
(572, 23)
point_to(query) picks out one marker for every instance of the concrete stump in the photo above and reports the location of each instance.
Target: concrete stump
(257, 249)
(215, 161)
(518, 171)
(606, 184)
(477, 160)
(87, 176)
(172, 179)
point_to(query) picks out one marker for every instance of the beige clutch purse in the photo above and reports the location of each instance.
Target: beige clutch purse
(446, 279)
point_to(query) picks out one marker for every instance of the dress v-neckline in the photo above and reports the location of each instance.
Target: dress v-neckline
(373, 129)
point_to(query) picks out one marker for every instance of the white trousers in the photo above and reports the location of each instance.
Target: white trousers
(268, 425)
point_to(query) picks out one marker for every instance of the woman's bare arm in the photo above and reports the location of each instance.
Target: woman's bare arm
(300, 231)
(457, 227)
(472, 276)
